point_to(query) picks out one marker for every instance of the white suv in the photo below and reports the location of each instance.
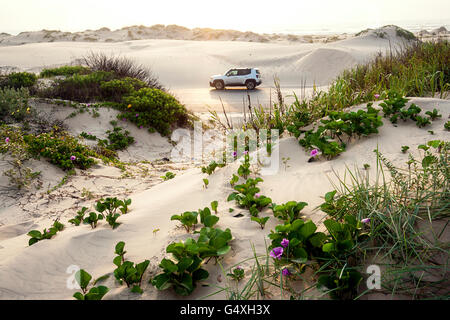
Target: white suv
(248, 77)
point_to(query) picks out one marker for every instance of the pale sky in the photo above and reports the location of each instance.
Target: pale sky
(254, 15)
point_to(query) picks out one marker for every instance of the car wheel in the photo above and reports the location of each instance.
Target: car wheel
(219, 85)
(250, 85)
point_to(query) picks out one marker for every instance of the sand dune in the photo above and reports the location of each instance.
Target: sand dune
(39, 272)
(183, 65)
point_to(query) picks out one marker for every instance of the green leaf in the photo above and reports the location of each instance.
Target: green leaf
(328, 247)
(210, 221)
(162, 282)
(224, 250)
(168, 265)
(35, 234)
(200, 274)
(427, 161)
(318, 239)
(83, 278)
(329, 196)
(119, 248)
(32, 241)
(333, 227)
(184, 263)
(100, 279)
(78, 296)
(308, 229)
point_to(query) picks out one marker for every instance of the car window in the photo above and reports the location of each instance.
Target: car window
(257, 71)
(232, 72)
(243, 72)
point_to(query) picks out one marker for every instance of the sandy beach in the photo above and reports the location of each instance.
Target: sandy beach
(42, 271)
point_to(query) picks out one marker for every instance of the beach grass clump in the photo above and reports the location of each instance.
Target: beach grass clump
(402, 219)
(122, 67)
(418, 69)
(66, 71)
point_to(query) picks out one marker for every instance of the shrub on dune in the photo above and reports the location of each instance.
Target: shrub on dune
(64, 71)
(18, 80)
(156, 109)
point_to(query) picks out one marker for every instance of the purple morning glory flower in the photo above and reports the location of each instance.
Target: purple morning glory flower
(376, 96)
(285, 243)
(234, 154)
(276, 253)
(286, 272)
(140, 127)
(314, 153)
(137, 115)
(366, 220)
(245, 152)
(239, 267)
(7, 140)
(73, 158)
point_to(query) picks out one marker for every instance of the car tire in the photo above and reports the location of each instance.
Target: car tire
(250, 84)
(219, 85)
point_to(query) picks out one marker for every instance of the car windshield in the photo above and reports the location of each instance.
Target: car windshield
(232, 72)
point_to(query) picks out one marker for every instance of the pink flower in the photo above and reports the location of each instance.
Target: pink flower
(239, 267)
(366, 220)
(234, 154)
(7, 140)
(73, 158)
(245, 152)
(137, 115)
(276, 253)
(286, 272)
(140, 127)
(285, 243)
(257, 195)
(376, 95)
(314, 153)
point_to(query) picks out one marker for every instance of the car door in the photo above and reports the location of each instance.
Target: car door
(243, 76)
(232, 77)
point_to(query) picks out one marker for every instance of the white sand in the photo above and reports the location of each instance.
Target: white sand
(185, 67)
(39, 271)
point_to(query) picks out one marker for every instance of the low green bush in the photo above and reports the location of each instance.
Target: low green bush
(60, 149)
(17, 80)
(154, 109)
(116, 89)
(118, 139)
(81, 88)
(14, 104)
(64, 71)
